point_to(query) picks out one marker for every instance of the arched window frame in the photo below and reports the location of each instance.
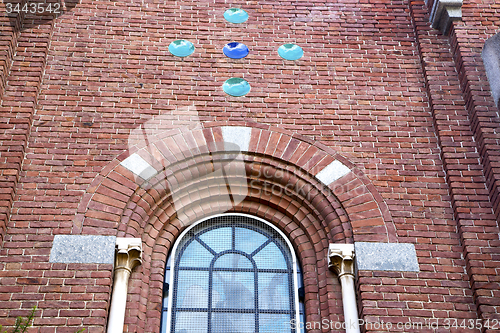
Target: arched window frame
(299, 309)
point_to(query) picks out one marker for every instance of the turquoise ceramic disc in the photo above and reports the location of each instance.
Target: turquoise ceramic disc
(236, 15)
(290, 52)
(181, 48)
(236, 87)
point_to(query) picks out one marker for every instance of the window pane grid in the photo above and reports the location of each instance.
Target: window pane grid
(243, 291)
(225, 310)
(223, 269)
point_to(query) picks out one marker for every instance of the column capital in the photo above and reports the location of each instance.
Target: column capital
(341, 259)
(128, 253)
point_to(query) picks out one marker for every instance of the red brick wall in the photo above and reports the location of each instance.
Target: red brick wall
(461, 154)
(8, 41)
(407, 106)
(23, 73)
(481, 21)
(11, 25)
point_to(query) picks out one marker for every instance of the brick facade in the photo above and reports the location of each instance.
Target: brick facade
(406, 109)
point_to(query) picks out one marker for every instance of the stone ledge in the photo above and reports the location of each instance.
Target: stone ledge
(444, 12)
(83, 249)
(386, 257)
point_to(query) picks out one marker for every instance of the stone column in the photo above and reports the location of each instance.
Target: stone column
(341, 261)
(128, 255)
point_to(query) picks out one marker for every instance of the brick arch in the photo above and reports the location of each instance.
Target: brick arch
(292, 192)
(281, 184)
(118, 197)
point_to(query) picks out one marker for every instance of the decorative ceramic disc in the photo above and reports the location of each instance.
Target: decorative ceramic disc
(181, 48)
(235, 50)
(236, 86)
(236, 15)
(290, 52)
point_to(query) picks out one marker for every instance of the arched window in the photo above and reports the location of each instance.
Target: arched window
(229, 274)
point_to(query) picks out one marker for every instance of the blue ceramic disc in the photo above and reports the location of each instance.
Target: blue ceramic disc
(236, 87)
(235, 50)
(181, 48)
(290, 52)
(236, 15)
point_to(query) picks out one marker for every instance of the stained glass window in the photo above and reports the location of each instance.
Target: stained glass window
(231, 274)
